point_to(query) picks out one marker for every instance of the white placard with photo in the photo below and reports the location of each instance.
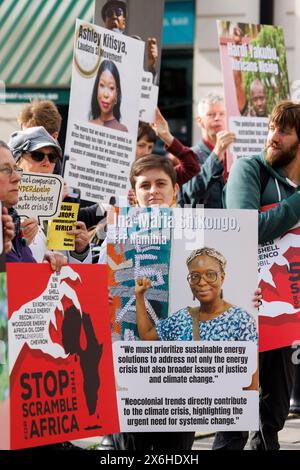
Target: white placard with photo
(104, 112)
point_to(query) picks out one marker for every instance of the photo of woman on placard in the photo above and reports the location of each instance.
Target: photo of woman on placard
(107, 97)
(215, 319)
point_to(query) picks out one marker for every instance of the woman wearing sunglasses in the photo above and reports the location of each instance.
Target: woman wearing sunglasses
(215, 319)
(39, 161)
(35, 151)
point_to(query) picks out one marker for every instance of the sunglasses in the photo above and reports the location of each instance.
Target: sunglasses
(111, 11)
(39, 156)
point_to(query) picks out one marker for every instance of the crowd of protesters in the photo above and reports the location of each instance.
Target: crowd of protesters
(196, 175)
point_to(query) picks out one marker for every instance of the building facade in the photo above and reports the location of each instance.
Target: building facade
(36, 46)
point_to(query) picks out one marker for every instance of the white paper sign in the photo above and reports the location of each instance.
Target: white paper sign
(185, 384)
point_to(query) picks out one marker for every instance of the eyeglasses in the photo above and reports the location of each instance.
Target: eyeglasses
(209, 276)
(39, 156)
(8, 170)
(110, 12)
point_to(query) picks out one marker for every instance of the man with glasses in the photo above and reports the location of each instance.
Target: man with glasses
(10, 177)
(114, 15)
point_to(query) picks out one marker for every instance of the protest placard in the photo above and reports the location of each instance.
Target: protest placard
(279, 274)
(40, 196)
(103, 113)
(164, 385)
(4, 373)
(60, 360)
(128, 17)
(58, 237)
(255, 76)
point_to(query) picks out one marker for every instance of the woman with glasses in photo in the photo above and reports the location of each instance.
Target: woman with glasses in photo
(215, 319)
